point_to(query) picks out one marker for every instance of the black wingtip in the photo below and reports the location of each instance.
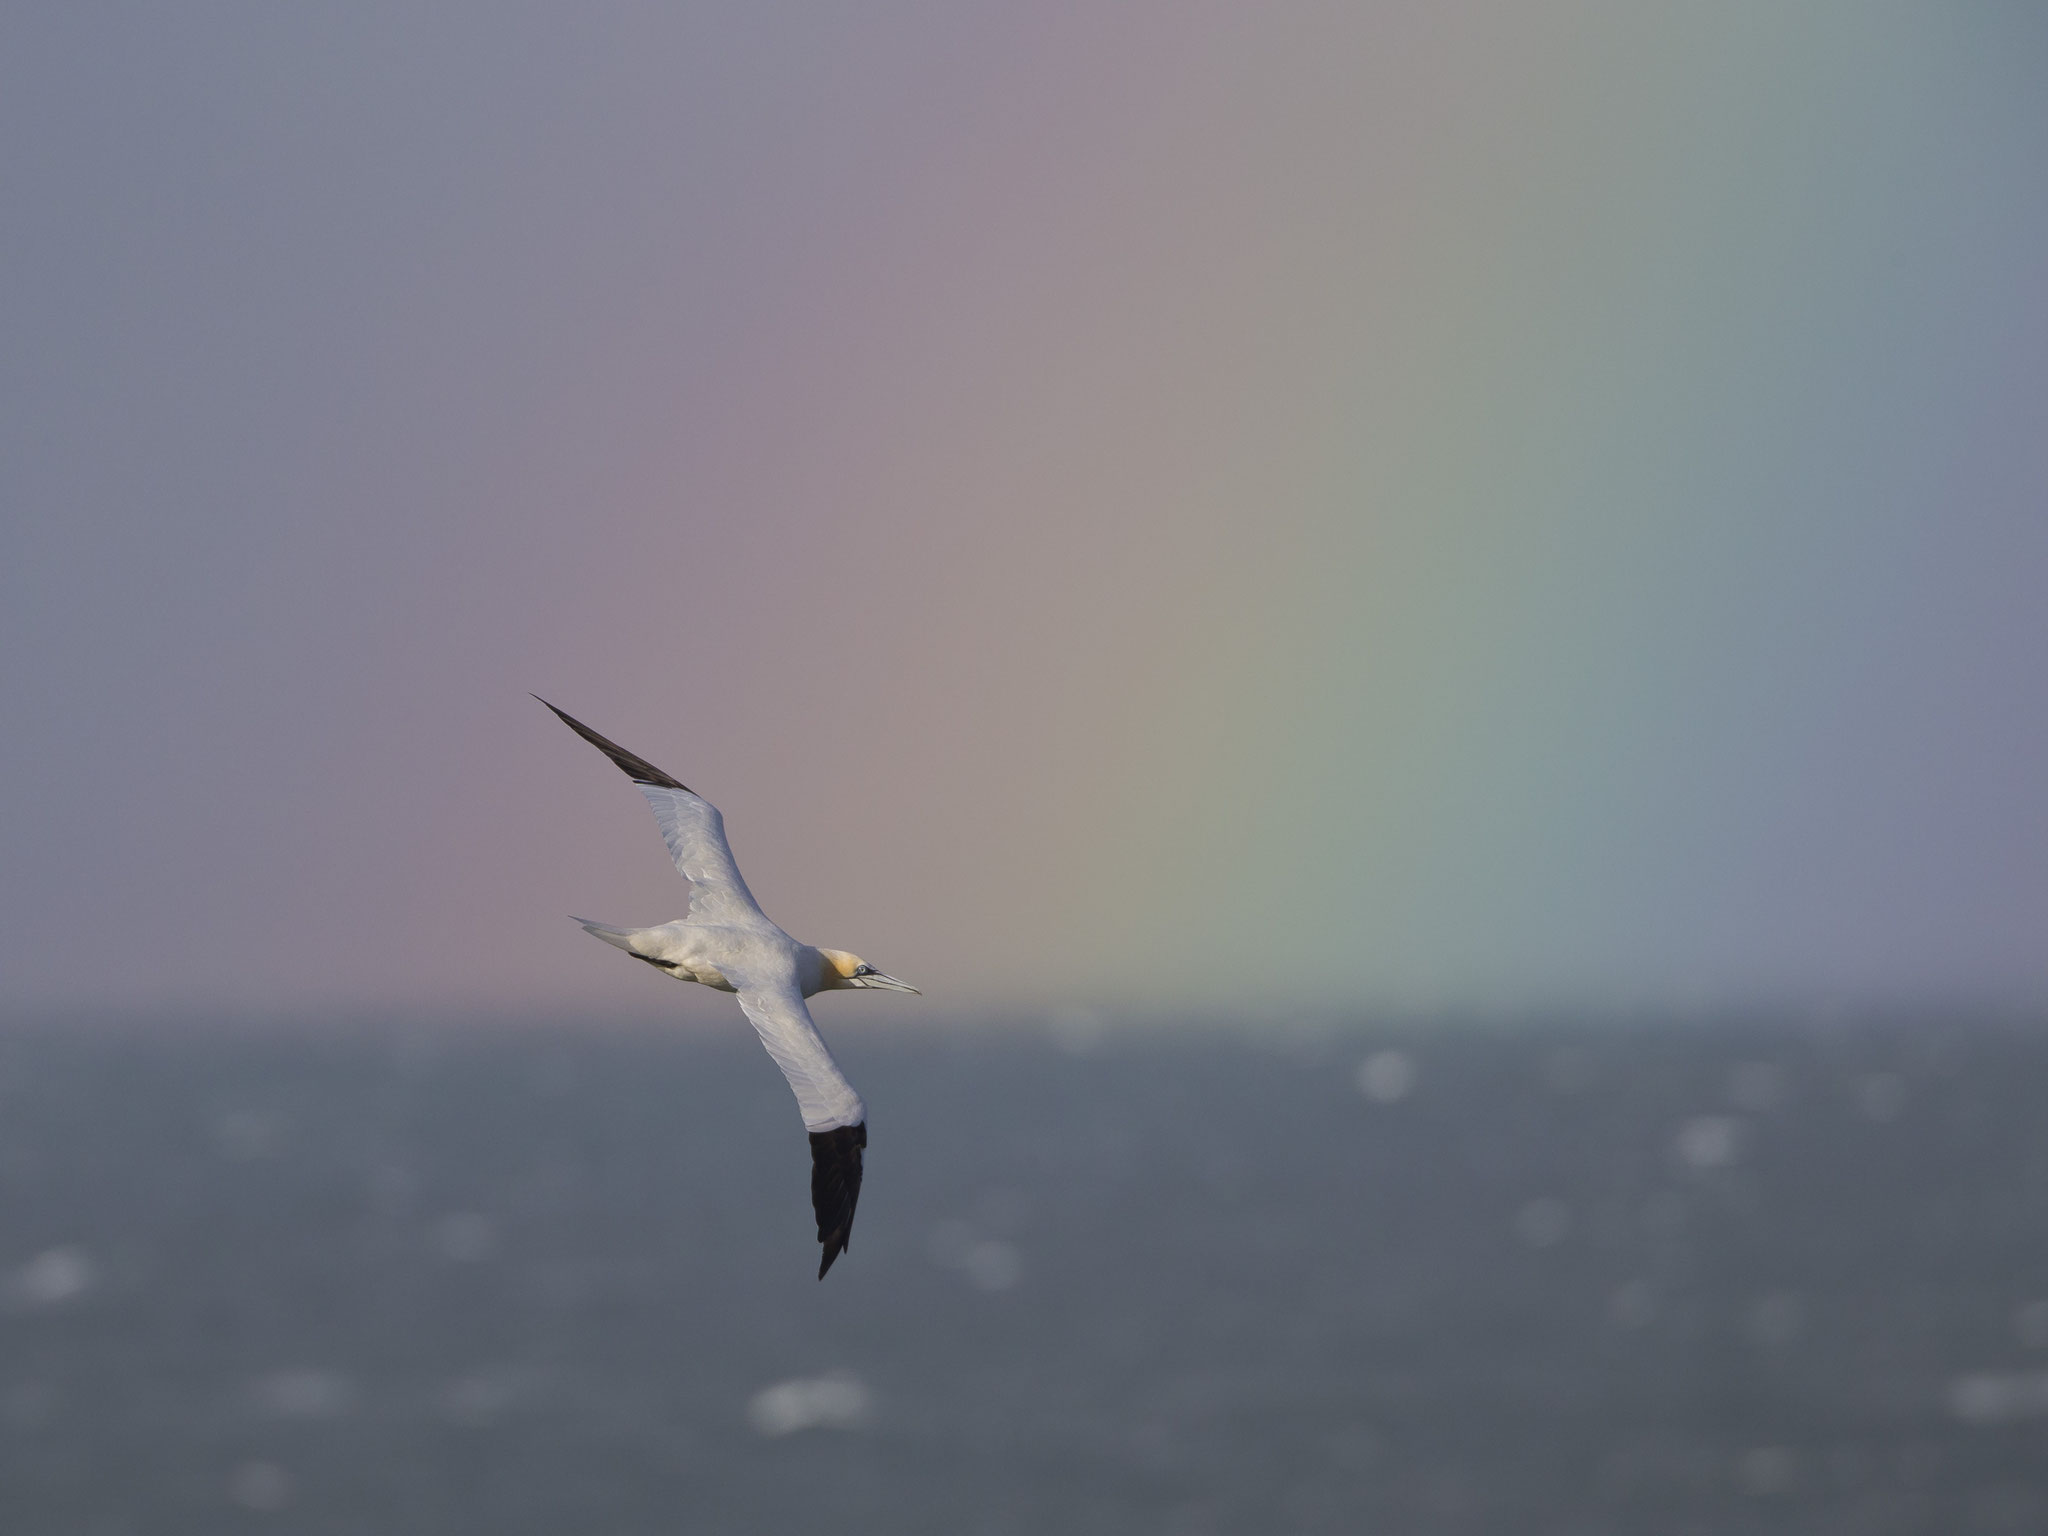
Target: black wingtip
(638, 769)
(835, 1187)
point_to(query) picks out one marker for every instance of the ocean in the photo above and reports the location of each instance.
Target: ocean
(1559, 1279)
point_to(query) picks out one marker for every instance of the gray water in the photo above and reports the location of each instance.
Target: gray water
(1674, 1279)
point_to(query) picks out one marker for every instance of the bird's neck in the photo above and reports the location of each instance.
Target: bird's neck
(814, 971)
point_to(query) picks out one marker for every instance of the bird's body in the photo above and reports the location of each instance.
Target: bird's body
(703, 952)
(727, 942)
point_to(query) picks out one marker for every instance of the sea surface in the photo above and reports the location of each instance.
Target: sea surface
(1638, 1277)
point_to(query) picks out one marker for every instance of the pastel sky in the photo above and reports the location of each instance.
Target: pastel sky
(1403, 506)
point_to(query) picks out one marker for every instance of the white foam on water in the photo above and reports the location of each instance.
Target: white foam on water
(836, 1400)
(466, 1237)
(1633, 1306)
(1774, 1322)
(303, 1394)
(262, 1486)
(1766, 1470)
(1388, 1077)
(1544, 1222)
(1998, 1397)
(51, 1278)
(1708, 1141)
(993, 1265)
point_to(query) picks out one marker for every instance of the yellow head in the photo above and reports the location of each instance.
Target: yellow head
(849, 970)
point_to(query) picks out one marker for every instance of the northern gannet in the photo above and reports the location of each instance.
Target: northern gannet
(728, 942)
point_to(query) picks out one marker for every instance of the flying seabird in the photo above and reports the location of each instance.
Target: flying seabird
(728, 942)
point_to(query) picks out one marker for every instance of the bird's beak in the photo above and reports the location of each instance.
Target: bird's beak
(886, 983)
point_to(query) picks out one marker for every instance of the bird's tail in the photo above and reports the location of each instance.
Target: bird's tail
(618, 938)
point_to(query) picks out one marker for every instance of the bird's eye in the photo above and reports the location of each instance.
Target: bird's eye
(864, 970)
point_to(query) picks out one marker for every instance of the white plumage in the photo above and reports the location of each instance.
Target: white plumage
(726, 941)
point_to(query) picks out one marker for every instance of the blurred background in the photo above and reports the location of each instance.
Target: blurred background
(1422, 623)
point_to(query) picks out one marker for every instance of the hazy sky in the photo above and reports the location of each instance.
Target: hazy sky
(1408, 505)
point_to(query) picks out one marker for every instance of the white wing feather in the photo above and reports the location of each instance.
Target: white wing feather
(695, 834)
(775, 1007)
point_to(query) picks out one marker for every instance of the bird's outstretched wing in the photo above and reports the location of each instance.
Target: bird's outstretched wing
(693, 830)
(832, 1111)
